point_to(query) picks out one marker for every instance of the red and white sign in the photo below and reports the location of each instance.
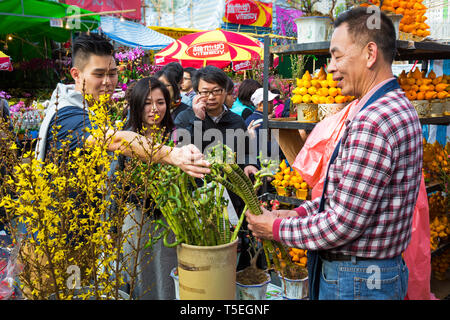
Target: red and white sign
(241, 12)
(248, 12)
(110, 5)
(5, 64)
(208, 49)
(242, 65)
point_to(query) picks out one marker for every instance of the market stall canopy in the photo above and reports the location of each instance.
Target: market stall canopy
(175, 33)
(5, 62)
(133, 34)
(46, 18)
(217, 47)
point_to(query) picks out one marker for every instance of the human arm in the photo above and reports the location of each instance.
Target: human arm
(363, 169)
(262, 225)
(188, 158)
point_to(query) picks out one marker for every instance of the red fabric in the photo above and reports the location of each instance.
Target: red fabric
(417, 255)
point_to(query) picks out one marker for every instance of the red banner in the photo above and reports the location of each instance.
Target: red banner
(110, 5)
(248, 12)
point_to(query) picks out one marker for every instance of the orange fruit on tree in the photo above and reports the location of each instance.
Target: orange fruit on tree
(302, 91)
(429, 95)
(333, 91)
(323, 92)
(442, 95)
(420, 95)
(312, 90)
(340, 99)
(306, 98)
(315, 99)
(441, 87)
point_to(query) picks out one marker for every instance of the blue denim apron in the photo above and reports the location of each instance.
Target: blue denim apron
(314, 264)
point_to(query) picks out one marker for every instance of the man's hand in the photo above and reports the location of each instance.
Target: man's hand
(199, 106)
(248, 170)
(189, 159)
(251, 129)
(261, 226)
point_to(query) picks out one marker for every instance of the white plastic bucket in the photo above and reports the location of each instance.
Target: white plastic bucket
(294, 289)
(252, 291)
(176, 283)
(313, 29)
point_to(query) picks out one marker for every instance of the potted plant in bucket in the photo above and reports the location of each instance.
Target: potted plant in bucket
(252, 282)
(198, 217)
(294, 275)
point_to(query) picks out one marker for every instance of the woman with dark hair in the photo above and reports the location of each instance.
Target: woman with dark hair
(243, 105)
(169, 79)
(149, 102)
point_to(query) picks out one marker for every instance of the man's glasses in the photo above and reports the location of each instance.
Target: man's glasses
(214, 92)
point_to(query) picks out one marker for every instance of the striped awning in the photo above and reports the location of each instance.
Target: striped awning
(133, 34)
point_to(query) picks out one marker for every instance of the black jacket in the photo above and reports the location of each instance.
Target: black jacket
(230, 129)
(201, 133)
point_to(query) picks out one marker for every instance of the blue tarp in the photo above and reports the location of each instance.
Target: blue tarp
(133, 34)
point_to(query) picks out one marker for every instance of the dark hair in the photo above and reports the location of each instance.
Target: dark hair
(210, 74)
(172, 78)
(358, 20)
(138, 97)
(246, 89)
(191, 71)
(230, 86)
(177, 69)
(86, 45)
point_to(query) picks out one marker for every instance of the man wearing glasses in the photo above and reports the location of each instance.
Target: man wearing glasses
(210, 119)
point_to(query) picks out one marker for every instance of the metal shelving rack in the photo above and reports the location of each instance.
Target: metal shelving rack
(406, 50)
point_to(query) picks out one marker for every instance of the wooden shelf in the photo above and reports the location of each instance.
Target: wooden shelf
(273, 124)
(445, 120)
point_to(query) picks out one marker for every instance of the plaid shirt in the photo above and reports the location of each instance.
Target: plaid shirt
(372, 186)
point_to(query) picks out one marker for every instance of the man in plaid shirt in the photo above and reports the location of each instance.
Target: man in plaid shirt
(364, 223)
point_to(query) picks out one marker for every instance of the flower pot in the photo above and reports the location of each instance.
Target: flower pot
(446, 107)
(326, 110)
(437, 108)
(176, 283)
(313, 29)
(423, 107)
(301, 194)
(294, 289)
(207, 272)
(396, 18)
(307, 112)
(252, 291)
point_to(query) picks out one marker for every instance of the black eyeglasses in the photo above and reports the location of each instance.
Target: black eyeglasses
(214, 92)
